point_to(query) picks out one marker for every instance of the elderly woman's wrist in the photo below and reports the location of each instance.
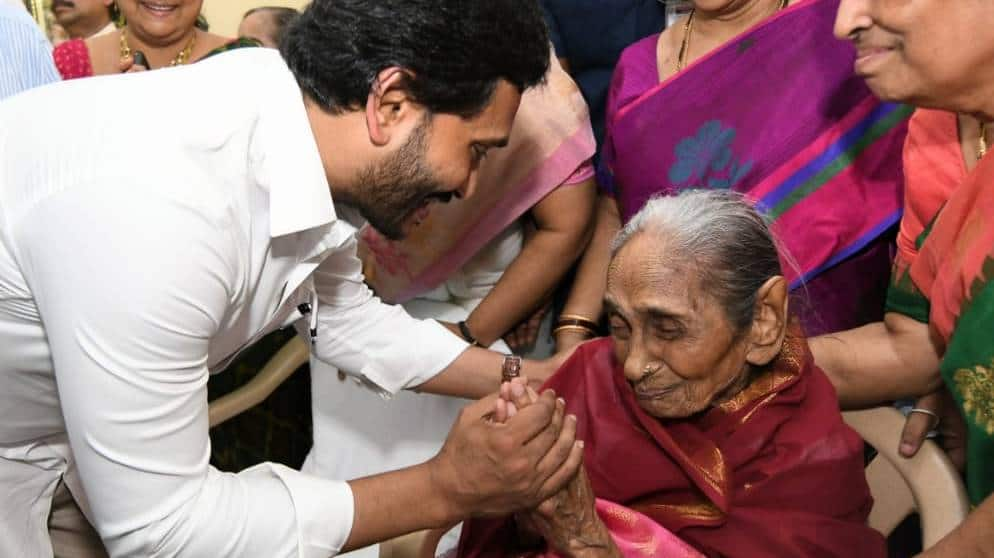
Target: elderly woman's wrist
(593, 541)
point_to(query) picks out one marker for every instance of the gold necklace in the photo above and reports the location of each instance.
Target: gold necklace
(182, 58)
(688, 27)
(982, 142)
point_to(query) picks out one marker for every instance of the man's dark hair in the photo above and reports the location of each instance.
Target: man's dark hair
(457, 50)
(280, 18)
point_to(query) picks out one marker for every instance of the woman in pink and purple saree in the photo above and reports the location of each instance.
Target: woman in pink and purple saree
(758, 97)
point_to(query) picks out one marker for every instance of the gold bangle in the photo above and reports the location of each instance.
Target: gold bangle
(576, 317)
(580, 328)
(578, 321)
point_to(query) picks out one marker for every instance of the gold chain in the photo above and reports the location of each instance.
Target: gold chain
(182, 58)
(688, 27)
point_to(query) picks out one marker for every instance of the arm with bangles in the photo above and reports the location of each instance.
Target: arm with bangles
(564, 221)
(586, 297)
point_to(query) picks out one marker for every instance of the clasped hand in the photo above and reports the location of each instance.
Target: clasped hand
(567, 520)
(495, 462)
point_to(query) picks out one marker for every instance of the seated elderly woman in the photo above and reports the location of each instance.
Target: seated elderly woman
(704, 419)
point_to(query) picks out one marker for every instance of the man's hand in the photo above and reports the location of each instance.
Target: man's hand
(491, 468)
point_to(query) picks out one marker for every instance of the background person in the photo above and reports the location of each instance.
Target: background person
(266, 24)
(82, 19)
(165, 33)
(25, 55)
(718, 100)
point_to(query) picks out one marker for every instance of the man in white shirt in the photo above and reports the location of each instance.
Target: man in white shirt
(83, 19)
(139, 253)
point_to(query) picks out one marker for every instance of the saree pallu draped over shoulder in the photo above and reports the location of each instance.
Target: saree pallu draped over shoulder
(949, 282)
(551, 139)
(772, 472)
(778, 115)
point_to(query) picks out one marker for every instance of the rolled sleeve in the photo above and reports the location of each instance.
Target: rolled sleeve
(379, 343)
(324, 508)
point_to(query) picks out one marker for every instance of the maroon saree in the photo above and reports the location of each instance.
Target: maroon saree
(773, 472)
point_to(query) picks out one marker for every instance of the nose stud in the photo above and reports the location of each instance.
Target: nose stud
(649, 370)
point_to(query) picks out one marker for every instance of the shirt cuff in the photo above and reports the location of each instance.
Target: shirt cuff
(325, 510)
(439, 347)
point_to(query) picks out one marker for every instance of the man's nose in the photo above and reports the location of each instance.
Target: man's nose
(853, 16)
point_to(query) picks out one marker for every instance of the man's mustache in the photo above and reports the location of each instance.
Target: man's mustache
(66, 3)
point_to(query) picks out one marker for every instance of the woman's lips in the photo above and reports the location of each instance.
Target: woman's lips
(868, 57)
(157, 8)
(655, 393)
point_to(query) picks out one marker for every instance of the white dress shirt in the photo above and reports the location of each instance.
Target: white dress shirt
(151, 226)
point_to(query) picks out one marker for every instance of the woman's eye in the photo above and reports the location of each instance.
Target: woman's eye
(618, 328)
(667, 331)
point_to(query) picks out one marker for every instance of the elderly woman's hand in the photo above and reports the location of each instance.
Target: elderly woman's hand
(567, 520)
(569, 523)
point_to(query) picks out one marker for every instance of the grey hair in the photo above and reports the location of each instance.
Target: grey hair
(729, 242)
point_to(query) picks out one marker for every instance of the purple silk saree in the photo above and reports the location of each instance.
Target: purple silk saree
(778, 115)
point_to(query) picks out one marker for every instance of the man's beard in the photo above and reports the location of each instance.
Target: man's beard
(388, 193)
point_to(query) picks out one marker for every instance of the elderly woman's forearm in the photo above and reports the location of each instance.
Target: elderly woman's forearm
(879, 362)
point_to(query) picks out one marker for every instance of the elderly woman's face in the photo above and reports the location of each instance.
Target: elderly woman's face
(928, 52)
(161, 20)
(679, 351)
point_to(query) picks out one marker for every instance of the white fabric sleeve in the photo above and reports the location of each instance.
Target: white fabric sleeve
(377, 342)
(131, 287)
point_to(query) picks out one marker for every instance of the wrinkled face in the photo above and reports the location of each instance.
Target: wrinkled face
(160, 21)
(931, 53)
(68, 12)
(678, 349)
(439, 160)
(258, 26)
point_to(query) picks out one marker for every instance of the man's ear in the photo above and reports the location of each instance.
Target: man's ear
(769, 324)
(389, 104)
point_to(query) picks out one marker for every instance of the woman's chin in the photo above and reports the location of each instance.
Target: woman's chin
(663, 409)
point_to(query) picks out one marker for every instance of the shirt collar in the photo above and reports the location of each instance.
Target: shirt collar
(288, 163)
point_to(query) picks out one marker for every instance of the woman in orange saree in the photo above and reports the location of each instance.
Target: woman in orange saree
(941, 303)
